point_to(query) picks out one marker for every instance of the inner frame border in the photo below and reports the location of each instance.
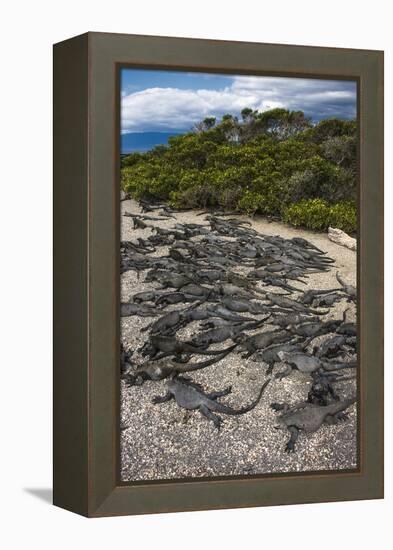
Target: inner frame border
(120, 483)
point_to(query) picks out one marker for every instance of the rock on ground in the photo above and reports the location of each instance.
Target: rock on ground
(340, 237)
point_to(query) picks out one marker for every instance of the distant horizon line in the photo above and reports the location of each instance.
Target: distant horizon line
(190, 129)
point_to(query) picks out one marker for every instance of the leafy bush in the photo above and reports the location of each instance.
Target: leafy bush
(317, 214)
(201, 196)
(230, 198)
(343, 216)
(250, 202)
(272, 163)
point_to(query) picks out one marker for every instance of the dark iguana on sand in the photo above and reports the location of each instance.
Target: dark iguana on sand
(350, 290)
(309, 363)
(288, 303)
(261, 340)
(309, 418)
(129, 309)
(159, 347)
(164, 368)
(191, 396)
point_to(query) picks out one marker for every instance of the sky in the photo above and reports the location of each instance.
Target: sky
(173, 101)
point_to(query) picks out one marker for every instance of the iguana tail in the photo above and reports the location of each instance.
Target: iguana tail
(338, 366)
(225, 409)
(256, 324)
(188, 348)
(203, 364)
(339, 279)
(339, 406)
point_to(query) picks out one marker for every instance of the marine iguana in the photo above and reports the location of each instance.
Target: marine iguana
(173, 280)
(300, 361)
(279, 282)
(216, 335)
(288, 303)
(240, 305)
(305, 244)
(165, 325)
(142, 217)
(164, 368)
(292, 319)
(242, 281)
(159, 347)
(347, 327)
(213, 323)
(228, 289)
(328, 300)
(147, 296)
(125, 361)
(315, 328)
(330, 347)
(217, 310)
(322, 390)
(191, 289)
(350, 290)
(171, 298)
(261, 340)
(191, 396)
(309, 418)
(140, 247)
(138, 223)
(310, 295)
(309, 363)
(128, 309)
(270, 355)
(169, 323)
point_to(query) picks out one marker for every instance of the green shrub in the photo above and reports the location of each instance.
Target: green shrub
(230, 197)
(343, 216)
(250, 202)
(317, 214)
(313, 214)
(272, 163)
(201, 196)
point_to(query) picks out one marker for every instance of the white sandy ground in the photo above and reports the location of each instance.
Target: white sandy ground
(166, 442)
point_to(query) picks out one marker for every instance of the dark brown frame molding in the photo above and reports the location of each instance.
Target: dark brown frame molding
(86, 273)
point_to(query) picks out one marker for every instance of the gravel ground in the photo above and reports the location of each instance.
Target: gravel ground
(167, 442)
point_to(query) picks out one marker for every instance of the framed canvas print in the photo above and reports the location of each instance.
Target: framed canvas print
(218, 274)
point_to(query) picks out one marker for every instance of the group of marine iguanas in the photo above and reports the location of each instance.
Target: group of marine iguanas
(242, 286)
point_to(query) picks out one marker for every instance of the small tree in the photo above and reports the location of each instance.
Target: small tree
(205, 125)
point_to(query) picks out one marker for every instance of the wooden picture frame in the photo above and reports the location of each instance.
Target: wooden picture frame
(86, 273)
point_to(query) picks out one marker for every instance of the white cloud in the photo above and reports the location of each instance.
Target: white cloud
(174, 108)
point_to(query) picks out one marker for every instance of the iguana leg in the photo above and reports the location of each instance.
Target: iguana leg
(290, 446)
(340, 416)
(278, 406)
(182, 358)
(163, 354)
(269, 370)
(138, 381)
(130, 380)
(284, 373)
(211, 416)
(333, 393)
(162, 398)
(222, 393)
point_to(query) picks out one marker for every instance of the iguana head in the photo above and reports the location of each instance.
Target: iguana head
(156, 370)
(283, 355)
(240, 338)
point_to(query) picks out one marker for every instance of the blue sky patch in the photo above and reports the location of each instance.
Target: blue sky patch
(173, 101)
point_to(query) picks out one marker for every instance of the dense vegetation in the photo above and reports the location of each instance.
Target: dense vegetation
(276, 163)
